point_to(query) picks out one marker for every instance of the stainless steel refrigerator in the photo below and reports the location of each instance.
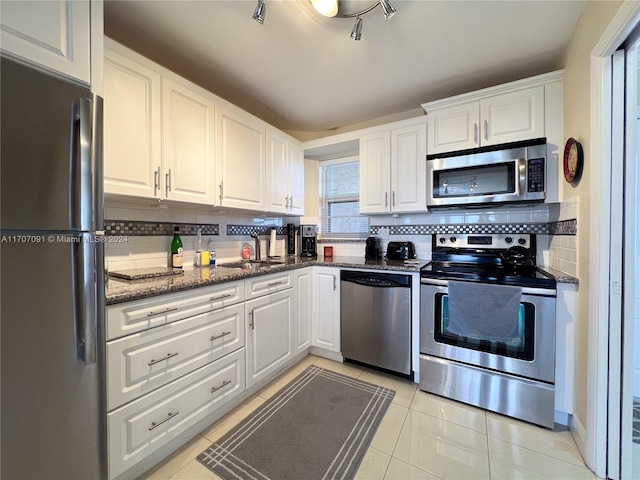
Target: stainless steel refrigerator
(53, 417)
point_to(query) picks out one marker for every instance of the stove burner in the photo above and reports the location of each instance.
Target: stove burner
(464, 259)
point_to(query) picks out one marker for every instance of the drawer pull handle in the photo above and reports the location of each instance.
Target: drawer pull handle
(159, 312)
(166, 357)
(215, 337)
(275, 283)
(224, 384)
(167, 418)
(215, 299)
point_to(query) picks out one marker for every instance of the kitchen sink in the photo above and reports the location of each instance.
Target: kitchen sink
(247, 264)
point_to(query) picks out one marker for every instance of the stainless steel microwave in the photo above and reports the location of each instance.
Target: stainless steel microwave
(509, 175)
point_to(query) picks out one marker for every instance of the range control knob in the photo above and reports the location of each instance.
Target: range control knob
(522, 241)
(508, 240)
(442, 239)
(452, 239)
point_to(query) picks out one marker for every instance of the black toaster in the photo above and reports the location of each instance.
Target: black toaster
(401, 250)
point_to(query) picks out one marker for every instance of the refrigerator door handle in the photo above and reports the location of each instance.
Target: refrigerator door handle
(81, 194)
(97, 164)
(86, 297)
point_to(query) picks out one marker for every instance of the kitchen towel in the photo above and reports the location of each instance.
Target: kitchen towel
(484, 311)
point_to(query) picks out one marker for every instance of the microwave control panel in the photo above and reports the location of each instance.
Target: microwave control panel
(535, 175)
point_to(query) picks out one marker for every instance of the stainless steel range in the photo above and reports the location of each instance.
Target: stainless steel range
(487, 325)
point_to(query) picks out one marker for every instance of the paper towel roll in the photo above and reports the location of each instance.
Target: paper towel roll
(272, 243)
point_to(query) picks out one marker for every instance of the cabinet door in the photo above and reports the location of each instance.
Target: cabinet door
(51, 34)
(301, 310)
(140, 363)
(325, 318)
(453, 128)
(240, 159)
(278, 178)
(268, 334)
(375, 171)
(141, 427)
(296, 167)
(188, 154)
(512, 117)
(132, 133)
(408, 169)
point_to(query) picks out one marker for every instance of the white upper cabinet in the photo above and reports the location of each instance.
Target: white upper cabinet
(158, 131)
(240, 159)
(375, 172)
(54, 35)
(285, 175)
(132, 127)
(188, 142)
(409, 168)
(483, 119)
(514, 116)
(277, 173)
(296, 179)
(392, 170)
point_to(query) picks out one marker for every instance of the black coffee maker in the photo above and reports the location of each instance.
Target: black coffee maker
(373, 249)
(308, 241)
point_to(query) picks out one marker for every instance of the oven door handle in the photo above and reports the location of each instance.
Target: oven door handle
(545, 292)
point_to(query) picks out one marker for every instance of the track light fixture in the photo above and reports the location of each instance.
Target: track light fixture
(331, 9)
(356, 33)
(259, 12)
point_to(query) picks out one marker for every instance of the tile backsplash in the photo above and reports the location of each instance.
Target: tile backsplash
(150, 232)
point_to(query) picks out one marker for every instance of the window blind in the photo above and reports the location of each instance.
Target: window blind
(339, 201)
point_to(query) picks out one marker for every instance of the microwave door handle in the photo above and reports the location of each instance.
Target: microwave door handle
(522, 176)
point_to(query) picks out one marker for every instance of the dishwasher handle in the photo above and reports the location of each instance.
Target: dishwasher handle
(376, 280)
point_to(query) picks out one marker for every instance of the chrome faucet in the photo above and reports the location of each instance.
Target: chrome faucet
(254, 235)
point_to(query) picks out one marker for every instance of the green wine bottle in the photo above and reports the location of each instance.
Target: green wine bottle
(176, 250)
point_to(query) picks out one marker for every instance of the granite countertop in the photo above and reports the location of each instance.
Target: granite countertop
(120, 290)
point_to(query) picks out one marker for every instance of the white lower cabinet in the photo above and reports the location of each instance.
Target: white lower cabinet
(139, 428)
(325, 318)
(269, 320)
(140, 363)
(302, 282)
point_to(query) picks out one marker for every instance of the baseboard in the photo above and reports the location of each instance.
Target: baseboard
(579, 435)
(562, 418)
(321, 352)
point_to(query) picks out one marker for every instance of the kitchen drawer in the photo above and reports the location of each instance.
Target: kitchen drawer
(264, 285)
(141, 427)
(142, 362)
(131, 317)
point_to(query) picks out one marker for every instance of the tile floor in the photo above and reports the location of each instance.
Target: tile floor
(422, 436)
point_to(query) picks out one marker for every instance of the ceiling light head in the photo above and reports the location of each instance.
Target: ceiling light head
(356, 33)
(328, 8)
(259, 12)
(388, 10)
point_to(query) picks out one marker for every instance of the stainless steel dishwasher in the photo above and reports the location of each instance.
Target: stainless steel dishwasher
(375, 316)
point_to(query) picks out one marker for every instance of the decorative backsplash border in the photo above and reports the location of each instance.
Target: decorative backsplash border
(249, 229)
(139, 228)
(566, 227)
(147, 229)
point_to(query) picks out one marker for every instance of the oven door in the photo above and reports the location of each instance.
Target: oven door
(531, 356)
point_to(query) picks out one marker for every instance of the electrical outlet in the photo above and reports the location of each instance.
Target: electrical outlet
(383, 233)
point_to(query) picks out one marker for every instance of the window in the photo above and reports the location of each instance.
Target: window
(339, 202)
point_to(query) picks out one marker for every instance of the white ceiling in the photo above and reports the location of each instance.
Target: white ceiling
(301, 71)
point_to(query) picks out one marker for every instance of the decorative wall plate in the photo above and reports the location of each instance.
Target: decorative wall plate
(573, 160)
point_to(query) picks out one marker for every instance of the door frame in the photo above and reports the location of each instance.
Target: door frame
(595, 432)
